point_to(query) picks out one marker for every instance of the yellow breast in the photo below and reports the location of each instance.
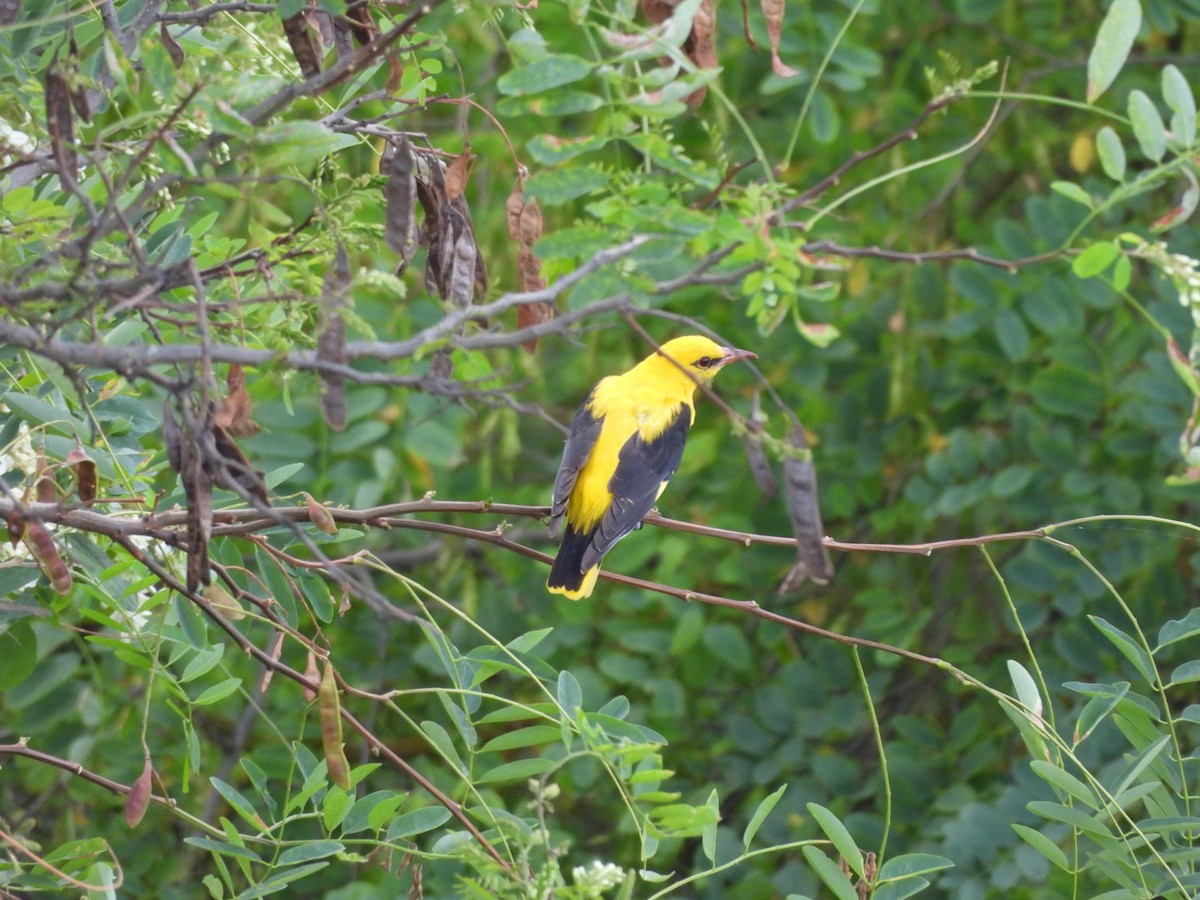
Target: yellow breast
(629, 405)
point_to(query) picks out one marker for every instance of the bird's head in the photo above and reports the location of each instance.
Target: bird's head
(698, 356)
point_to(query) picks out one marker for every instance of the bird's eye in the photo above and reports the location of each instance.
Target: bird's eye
(704, 362)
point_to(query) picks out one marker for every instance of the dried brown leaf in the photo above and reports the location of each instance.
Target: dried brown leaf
(60, 125)
(172, 46)
(84, 470)
(701, 48)
(399, 195)
(513, 207)
(773, 12)
(457, 173)
(800, 485)
(138, 800)
(45, 553)
(304, 45)
(330, 709)
(233, 412)
(657, 11)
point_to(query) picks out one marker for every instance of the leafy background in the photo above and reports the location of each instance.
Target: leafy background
(985, 325)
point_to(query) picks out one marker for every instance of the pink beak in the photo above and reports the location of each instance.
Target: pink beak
(732, 355)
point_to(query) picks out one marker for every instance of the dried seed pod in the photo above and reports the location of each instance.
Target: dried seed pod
(139, 795)
(331, 341)
(45, 489)
(313, 674)
(457, 173)
(330, 708)
(760, 467)
(84, 470)
(319, 515)
(60, 125)
(45, 553)
(399, 195)
(172, 46)
(800, 484)
(16, 525)
(303, 43)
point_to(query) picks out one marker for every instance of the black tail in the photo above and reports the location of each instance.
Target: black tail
(565, 575)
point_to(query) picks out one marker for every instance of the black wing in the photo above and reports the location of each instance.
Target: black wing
(585, 429)
(643, 470)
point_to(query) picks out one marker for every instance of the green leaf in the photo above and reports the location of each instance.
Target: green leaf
(1096, 710)
(760, 815)
(829, 872)
(1065, 782)
(1141, 762)
(530, 736)
(18, 654)
(1147, 125)
(1111, 152)
(1026, 688)
(839, 836)
(1186, 673)
(527, 641)
(222, 847)
(1114, 40)
(418, 821)
(1129, 648)
(1178, 94)
(1043, 845)
(910, 864)
(308, 851)
(217, 692)
(899, 890)
(441, 739)
(238, 801)
(1069, 815)
(1072, 191)
(555, 186)
(570, 694)
(1012, 334)
(298, 143)
(1095, 259)
(544, 74)
(517, 771)
(708, 834)
(1178, 629)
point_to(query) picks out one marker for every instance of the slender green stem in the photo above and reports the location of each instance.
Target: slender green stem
(816, 81)
(877, 733)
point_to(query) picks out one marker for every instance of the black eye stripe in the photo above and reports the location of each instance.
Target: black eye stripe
(704, 362)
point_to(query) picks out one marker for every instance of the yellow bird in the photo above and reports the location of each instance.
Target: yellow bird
(625, 444)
